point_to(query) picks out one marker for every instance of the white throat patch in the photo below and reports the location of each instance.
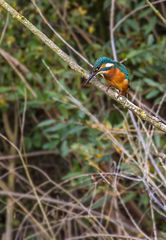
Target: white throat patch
(109, 64)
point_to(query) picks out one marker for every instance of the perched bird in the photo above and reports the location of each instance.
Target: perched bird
(114, 72)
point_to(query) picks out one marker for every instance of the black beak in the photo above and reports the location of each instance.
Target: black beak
(92, 75)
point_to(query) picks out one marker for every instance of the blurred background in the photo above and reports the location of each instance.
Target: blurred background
(74, 163)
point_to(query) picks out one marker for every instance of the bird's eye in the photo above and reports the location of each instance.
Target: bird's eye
(97, 68)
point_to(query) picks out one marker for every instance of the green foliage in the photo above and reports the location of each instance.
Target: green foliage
(53, 122)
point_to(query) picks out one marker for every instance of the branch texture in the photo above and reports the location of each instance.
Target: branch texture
(144, 115)
(156, 12)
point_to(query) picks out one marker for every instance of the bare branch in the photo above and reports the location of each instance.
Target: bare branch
(155, 121)
(112, 10)
(156, 12)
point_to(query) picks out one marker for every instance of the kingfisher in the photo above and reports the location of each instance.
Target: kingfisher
(115, 73)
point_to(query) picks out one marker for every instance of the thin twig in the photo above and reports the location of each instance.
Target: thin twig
(14, 66)
(27, 155)
(112, 11)
(58, 35)
(31, 183)
(156, 12)
(4, 29)
(12, 135)
(133, 12)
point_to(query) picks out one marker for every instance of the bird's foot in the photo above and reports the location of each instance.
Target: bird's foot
(108, 88)
(119, 94)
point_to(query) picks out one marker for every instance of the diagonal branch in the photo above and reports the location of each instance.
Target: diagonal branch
(156, 12)
(144, 115)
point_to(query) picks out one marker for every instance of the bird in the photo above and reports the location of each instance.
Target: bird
(114, 72)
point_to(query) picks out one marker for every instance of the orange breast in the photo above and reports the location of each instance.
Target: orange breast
(116, 78)
(114, 74)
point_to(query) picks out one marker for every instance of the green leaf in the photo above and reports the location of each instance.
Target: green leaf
(50, 145)
(64, 149)
(150, 26)
(4, 89)
(152, 94)
(129, 197)
(144, 200)
(99, 203)
(157, 140)
(75, 129)
(46, 123)
(151, 82)
(55, 128)
(72, 175)
(150, 39)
